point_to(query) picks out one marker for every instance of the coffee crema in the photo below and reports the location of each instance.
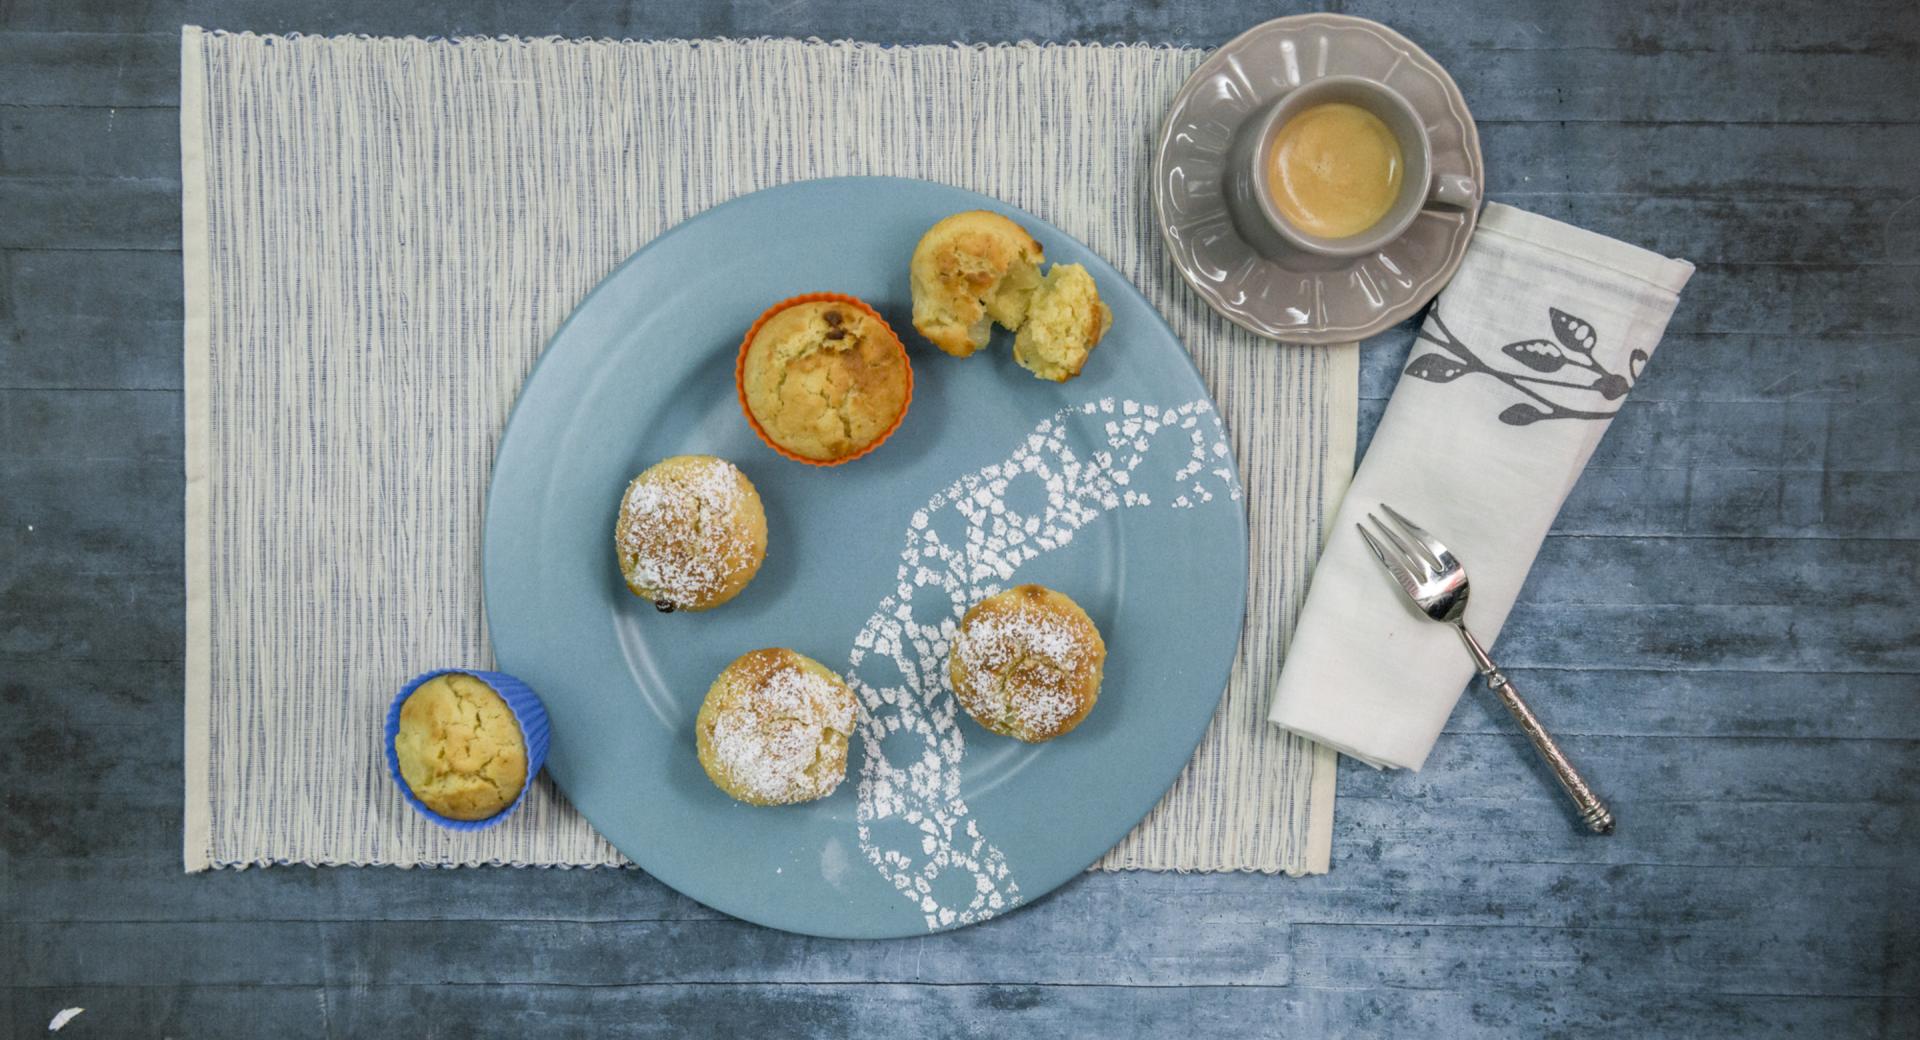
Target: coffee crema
(1335, 170)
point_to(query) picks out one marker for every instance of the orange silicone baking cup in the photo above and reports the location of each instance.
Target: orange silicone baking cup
(740, 373)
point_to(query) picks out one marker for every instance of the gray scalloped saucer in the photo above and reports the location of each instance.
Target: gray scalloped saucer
(1303, 298)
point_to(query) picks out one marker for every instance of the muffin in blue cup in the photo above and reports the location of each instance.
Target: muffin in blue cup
(464, 745)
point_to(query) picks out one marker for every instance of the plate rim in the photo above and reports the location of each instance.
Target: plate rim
(1242, 534)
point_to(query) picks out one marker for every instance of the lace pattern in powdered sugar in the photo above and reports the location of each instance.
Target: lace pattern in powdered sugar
(966, 544)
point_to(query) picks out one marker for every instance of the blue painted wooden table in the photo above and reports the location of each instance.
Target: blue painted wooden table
(1724, 626)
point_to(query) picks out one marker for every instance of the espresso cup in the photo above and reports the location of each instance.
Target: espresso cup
(1249, 195)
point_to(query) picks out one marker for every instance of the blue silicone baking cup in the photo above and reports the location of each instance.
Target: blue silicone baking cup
(527, 711)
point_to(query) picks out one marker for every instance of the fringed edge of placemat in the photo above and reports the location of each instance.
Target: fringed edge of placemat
(197, 829)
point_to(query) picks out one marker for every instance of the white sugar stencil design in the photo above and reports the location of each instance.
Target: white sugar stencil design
(914, 826)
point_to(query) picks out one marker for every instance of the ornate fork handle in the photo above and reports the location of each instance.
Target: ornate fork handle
(1593, 812)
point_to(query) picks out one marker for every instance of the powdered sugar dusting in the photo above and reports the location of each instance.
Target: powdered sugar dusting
(768, 740)
(995, 642)
(676, 536)
(1029, 664)
(972, 537)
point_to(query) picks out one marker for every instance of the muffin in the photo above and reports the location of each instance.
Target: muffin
(459, 748)
(1026, 663)
(971, 270)
(691, 533)
(774, 728)
(823, 379)
(1064, 323)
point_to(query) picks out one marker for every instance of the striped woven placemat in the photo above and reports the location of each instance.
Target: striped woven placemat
(380, 236)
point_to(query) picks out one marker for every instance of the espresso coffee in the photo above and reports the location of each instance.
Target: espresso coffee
(1335, 170)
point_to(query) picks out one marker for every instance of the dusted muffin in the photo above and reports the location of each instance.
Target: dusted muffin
(1064, 324)
(970, 270)
(691, 533)
(459, 748)
(1026, 663)
(823, 379)
(774, 728)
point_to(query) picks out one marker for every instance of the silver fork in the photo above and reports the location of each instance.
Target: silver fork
(1437, 584)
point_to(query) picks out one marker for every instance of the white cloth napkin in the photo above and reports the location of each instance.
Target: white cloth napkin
(1517, 373)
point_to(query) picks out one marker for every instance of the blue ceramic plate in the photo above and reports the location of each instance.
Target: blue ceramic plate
(1117, 488)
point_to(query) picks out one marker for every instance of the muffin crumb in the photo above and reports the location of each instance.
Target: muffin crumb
(1064, 324)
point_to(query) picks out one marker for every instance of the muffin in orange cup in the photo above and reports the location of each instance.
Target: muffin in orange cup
(823, 379)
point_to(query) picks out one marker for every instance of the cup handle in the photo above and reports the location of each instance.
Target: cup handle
(1454, 190)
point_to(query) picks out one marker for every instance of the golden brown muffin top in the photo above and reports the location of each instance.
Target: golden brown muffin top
(825, 380)
(687, 529)
(968, 270)
(771, 724)
(459, 747)
(1026, 662)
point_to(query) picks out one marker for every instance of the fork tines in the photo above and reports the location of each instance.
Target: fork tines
(1415, 558)
(1391, 561)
